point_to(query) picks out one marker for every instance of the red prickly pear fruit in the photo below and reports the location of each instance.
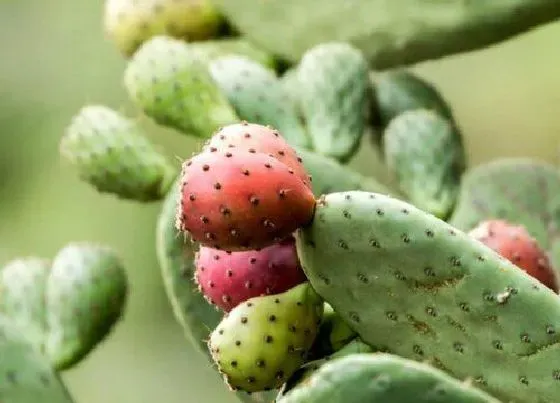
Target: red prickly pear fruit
(514, 243)
(237, 200)
(257, 138)
(227, 279)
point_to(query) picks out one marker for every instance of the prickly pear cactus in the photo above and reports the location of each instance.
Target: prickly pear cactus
(217, 48)
(417, 287)
(68, 306)
(26, 376)
(379, 378)
(520, 190)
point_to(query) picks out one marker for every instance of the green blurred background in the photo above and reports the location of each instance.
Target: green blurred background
(55, 58)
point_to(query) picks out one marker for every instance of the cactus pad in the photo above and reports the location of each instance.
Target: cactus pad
(425, 155)
(411, 284)
(110, 152)
(258, 96)
(518, 190)
(334, 97)
(217, 48)
(380, 378)
(25, 375)
(172, 85)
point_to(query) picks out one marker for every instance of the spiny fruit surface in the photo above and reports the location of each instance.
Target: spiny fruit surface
(261, 342)
(414, 286)
(334, 98)
(111, 153)
(425, 155)
(258, 96)
(227, 279)
(171, 83)
(382, 378)
(518, 246)
(256, 138)
(237, 200)
(25, 374)
(129, 23)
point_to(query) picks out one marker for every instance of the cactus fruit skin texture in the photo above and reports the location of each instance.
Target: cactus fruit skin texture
(519, 190)
(256, 138)
(227, 279)
(263, 341)
(417, 287)
(515, 244)
(334, 98)
(110, 152)
(238, 200)
(389, 35)
(426, 157)
(380, 378)
(258, 96)
(129, 23)
(171, 83)
(26, 375)
(68, 306)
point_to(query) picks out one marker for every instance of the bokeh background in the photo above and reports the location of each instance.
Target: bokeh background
(54, 58)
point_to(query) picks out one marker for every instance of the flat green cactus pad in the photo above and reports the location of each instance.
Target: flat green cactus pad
(413, 285)
(68, 306)
(390, 33)
(25, 375)
(382, 378)
(522, 191)
(176, 259)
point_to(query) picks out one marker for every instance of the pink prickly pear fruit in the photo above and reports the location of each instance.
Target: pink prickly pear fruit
(257, 138)
(227, 279)
(237, 200)
(514, 243)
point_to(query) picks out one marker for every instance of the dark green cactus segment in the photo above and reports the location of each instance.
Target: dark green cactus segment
(172, 85)
(176, 259)
(425, 155)
(86, 296)
(258, 96)
(22, 296)
(334, 98)
(380, 378)
(401, 90)
(25, 375)
(518, 190)
(389, 35)
(214, 49)
(413, 285)
(110, 152)
(328, 175)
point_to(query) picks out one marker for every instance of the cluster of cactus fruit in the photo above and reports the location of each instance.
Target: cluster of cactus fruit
(300, 278)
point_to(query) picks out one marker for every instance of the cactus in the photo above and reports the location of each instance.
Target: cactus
(218, 48)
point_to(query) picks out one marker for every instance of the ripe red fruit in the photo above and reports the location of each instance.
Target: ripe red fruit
(514, 243)
(237, 200)
(227, 279)
(257, 138)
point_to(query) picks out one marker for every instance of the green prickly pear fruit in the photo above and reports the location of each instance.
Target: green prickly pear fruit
(258, 96)
(334, 334)
(425, 156)
(263, 341)
(417, 287)
(129, 23)
(238, 200)
(381, 378)
(26, 375)
(256, 138)
(215, 49)
(518, 190)
(110, 153)
(401, 90)
(86, 295)
(176, 257)
(334, 98)
(172, 84)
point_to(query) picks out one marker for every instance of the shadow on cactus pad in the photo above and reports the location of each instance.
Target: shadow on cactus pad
(518, 190)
